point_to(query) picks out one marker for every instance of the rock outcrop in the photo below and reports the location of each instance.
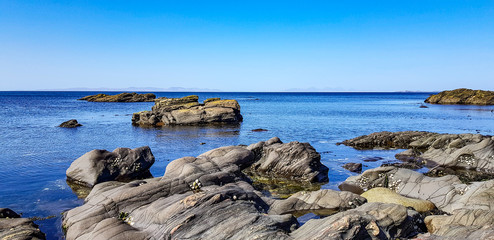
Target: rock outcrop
(455, 152)
(122, 97)
(353, 167)
(385, 195)
(188, 111)
(12, 226)
(463, 96)
(462, 224)
(369, 221)
(70, 124)
(123, 164)
(321, 202)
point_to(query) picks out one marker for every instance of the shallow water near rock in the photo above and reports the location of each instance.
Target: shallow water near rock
(35, 153)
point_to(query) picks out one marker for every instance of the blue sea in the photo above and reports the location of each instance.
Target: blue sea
(35, 153)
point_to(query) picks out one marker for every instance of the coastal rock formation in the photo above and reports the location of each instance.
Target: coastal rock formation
(369, 221)
(188, 111)
(12, 226)
(385, 195)
(451, 151)
(463, 96)
(321, 202)
(463, 224)
(294, 160)
(123, 164)
(70, 124)
(386, 140)
(122, 97)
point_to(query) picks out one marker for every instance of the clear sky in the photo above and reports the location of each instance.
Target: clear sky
(247, 45)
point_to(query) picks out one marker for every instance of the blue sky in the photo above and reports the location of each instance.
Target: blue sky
(248, 46)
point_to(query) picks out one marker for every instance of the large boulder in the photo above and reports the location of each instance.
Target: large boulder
(188, 111)
(462, 96)
(321, 202)
(123, 164)
(122, 97)
(369, 221)
(13, 227)
(286, 168)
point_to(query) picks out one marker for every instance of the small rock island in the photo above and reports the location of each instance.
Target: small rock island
(122, 97)
(188, 111)
(463, 96)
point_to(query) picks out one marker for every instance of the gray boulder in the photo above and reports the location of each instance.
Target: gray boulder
(353, 167)
(13, 227)
(70, 124)
(369, 221)
(188, 111)
(123, 164)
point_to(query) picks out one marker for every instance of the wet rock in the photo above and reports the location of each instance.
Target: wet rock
(369, 221)
(462, 96)
(322, 202)
(353, 167)
(386, 140)
(188, 111)
(70, 124)
(12, 226)
(122, 97)
(386, 195)
(123, 164)
(259, 130)
(372, 159)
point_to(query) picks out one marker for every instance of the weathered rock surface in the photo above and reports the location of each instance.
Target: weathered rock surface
(353, 167)
(293, 160)
(122, 97)
(447, 192)
(188, 111)
(123, 164)
(386, 140)
(455, 152)
(463, 96)
(369, 221)
(462, 224)
(70, 124)
(172, 207)
(12, 226)
(321, 202)
(385, 195)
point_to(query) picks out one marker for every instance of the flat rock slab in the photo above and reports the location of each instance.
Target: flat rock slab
(386, 195)
(122, 97)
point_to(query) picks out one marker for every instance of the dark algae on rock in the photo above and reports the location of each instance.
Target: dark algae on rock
(188, 111)
(463, 96)
(122, 97)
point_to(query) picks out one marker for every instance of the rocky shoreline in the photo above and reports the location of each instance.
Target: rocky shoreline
(122, 97)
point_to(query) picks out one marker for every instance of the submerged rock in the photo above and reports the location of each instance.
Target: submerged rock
(122, 97)
(12, 226)
(123, 164)
(353, 167)
(463, 96)
(369, 221)
(188, 111)
(385, 195)
(70, 124)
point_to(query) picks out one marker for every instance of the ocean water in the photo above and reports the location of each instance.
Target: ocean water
(35, 153)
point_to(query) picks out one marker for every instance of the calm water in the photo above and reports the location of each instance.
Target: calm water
(35, 153)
